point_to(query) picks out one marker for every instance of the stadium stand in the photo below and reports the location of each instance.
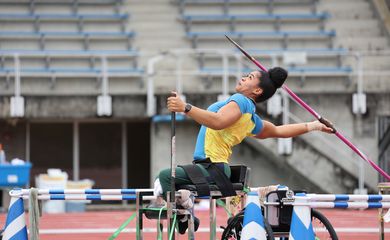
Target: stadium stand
(66, 39)
(227, 5)
(281, 27)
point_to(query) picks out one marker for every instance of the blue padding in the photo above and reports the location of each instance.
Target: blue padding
(167, 118)
(57, 197)
(94, 197)
(341, 205)
(203, 197)
(56, 191)
(91, 191)
(341, 197)
(374, 205)
(374, 198)
(129, 197)
(128, 191)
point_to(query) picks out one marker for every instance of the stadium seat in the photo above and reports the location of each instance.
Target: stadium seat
(233, 19)
(280, 35)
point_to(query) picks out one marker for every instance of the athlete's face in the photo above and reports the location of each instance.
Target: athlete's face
(249, 84)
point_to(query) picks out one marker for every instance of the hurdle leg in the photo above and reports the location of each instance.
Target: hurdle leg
(191, 224)
(191, 228)
(170, 207)
(383, 188)
(139, 217)
(213, 218)
(382, 226)
(242, 202)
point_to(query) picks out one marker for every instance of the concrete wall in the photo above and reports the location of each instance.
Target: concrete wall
(61, 107)
(186, 133)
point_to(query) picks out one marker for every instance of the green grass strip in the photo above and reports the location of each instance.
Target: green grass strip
(222, 204)
(120, 229)
(172, 227)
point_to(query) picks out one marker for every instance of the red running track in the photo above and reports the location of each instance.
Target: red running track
(349, 224)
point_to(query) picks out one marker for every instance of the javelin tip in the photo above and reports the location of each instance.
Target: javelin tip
(231, 40)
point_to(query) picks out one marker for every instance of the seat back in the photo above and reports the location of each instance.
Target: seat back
(239, 174)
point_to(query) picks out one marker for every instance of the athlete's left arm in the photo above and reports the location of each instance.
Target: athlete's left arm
(222, 119)
(290, 130)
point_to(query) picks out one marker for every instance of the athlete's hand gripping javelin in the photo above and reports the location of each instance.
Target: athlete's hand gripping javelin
(175, 103)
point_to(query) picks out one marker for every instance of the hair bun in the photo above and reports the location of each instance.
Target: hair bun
(278, 75)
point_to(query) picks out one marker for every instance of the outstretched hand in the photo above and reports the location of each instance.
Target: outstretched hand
(175, 103)
(318, 126)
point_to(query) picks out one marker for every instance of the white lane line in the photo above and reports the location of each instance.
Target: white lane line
(360, 230)
(154, 230)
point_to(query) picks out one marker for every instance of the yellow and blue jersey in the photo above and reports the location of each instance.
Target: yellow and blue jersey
(217, 144)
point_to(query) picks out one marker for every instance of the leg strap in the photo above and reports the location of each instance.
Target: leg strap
(202, 185)
(221, 180)
(196, 176)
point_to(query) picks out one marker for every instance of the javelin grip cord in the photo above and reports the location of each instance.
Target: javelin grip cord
(327, 123)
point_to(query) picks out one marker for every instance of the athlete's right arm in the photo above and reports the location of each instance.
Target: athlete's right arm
(225, 117)
(290, 130)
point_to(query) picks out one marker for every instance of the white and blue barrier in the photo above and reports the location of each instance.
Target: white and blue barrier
(15, 226)
(301, 227)
(83, 194)
(253, 225)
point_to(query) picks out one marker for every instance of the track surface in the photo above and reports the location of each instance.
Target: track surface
(349, 224)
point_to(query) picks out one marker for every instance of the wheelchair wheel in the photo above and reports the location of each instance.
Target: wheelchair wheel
(323, 229)
(234, 228)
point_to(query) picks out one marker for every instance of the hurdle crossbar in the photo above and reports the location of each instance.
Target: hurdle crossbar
(345, 197)
(20, 192)
(345, 205)
(98, 197)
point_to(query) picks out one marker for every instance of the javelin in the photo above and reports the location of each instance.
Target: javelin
(315, 114)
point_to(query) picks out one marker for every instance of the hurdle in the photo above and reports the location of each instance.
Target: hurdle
(18, 195)
(302, 203)
(82, 194)
(337, 201)
(137, 195)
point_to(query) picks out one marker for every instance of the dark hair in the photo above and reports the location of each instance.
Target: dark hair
(270, 81)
